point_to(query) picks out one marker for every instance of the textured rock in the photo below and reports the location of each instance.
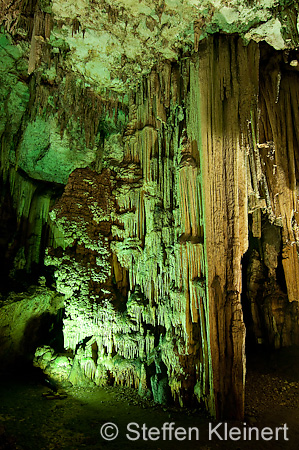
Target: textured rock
(25, 322)
(56, 367)
(44, 155)
(114, 45)
(272, 283)
(223, 110)
(156, 291)
(177, 145)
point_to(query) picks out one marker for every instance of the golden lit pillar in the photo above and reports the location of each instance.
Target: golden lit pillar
(224, 86)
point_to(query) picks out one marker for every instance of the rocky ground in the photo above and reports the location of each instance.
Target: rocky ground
(32, 417)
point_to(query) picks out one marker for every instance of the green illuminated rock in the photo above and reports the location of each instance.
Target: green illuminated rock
(172, 128)
(44, 155)
(25, 321)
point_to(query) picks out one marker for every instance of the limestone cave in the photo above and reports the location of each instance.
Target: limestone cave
(149, 232)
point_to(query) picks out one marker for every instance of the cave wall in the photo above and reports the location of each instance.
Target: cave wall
(173, 221)
(166, 213)
(28, 320)
(51, 124)
(272, 270)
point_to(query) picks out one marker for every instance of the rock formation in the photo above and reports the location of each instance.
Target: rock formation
(149, 167)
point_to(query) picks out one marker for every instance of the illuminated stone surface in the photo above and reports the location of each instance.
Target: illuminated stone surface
(24, 319)
(173, 129)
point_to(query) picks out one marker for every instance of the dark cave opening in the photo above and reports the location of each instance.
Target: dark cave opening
(250, 341)
(21, 265)
(263, 287)
(45, 329)
(41, 330)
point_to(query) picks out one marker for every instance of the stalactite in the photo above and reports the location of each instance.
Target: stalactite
(32, 211)
(151, 249)
(42, 26)
(283, 200)
(224, 205)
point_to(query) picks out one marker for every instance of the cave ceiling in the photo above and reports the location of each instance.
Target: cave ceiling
(113, 44)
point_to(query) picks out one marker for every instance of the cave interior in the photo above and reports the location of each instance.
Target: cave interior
(149, 194)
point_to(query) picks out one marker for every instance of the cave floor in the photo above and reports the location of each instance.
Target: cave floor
(31, 421)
